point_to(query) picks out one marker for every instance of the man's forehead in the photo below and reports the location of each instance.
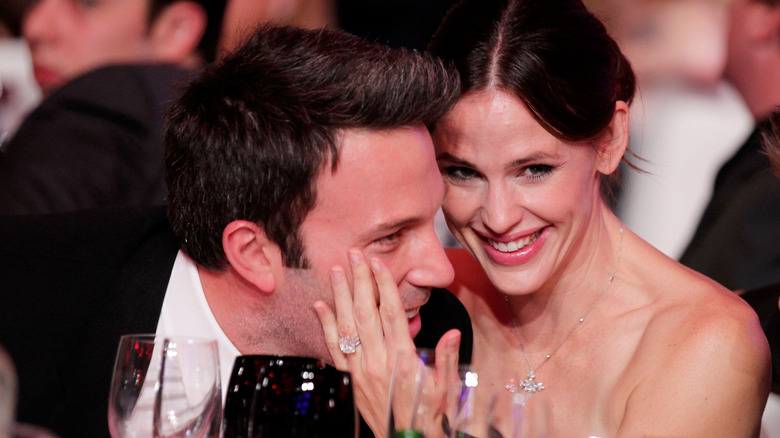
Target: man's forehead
(387, 179)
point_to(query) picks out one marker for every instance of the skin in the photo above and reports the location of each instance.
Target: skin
(70, 37)
(666, 352)
(241, 17)
(373, 205)
(374, 222)
(753, 54)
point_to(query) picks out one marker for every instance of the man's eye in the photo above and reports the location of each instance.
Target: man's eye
(390, 238)
(88, 4)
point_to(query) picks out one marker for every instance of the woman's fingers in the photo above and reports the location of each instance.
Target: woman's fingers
(448, 377)
(391, 310)
(447, 351)
(366, 315)
(330, 329)
(342, 297)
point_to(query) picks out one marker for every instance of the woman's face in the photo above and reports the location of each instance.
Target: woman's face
(517, 198)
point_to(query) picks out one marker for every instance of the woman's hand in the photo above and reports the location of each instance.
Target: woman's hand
(373, 312)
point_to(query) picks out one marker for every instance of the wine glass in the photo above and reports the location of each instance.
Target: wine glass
(295, 397)
(480, 405)
(165, 386)
(189, 393)
(417, 396)
(7, 393)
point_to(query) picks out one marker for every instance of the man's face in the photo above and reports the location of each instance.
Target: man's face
(70, 37)
(381, 199)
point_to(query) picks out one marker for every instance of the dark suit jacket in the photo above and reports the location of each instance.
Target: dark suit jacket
(95, 142)
(737, 242)
(72, 284)
(764, 302)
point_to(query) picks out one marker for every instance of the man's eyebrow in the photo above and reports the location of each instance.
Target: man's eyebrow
(383, 228)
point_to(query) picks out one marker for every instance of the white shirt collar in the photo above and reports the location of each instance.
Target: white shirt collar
(185, 312)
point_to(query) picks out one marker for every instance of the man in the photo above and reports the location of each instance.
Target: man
(737, 242)
(69, 38)
(294, 150)
(108, 69)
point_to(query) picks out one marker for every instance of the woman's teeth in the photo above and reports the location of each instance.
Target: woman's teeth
(515, 245)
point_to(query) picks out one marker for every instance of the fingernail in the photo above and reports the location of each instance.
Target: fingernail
(354, 257)
(336, 274)
(454, 343)
(376, 267)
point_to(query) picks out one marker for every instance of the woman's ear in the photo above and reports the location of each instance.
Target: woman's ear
(177, 31)
(612, 144)
(251, 254)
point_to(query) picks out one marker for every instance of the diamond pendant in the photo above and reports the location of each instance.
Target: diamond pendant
(528, 385)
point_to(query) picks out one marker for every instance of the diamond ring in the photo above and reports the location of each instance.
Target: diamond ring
(348, 344)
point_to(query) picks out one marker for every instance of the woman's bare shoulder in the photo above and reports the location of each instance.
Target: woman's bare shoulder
(693, 312)
(706, 345)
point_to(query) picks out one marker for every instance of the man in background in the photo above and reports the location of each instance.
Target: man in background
(108, 69)
(737, 241)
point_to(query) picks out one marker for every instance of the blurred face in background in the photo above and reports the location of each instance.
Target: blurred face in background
(70, 37)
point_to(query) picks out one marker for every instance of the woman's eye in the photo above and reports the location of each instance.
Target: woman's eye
(459, 173)
(537, 171)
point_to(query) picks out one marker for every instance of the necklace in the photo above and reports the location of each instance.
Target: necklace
(530, 384)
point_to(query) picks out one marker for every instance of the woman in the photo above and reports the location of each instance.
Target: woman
(618, 339)
(622, 340)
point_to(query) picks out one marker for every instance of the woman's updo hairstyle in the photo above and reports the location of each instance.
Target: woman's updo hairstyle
(554, 55)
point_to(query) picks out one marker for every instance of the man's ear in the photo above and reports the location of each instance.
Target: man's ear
(612, 144)
(176, 33)
(251, 254)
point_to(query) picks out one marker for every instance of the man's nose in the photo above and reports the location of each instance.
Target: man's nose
(431, 267)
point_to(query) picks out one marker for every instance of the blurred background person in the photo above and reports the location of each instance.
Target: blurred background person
(737, 241)
(18, 91)
(108, 70)
(241, 17)
(766, 300)
(686, 119)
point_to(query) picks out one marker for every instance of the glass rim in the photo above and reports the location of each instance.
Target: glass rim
(154, 338)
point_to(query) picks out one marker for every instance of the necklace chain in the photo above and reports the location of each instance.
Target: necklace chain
(530, 384)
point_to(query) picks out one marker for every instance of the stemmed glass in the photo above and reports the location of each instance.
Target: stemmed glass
(295, 397)
(417, 396)
(480, 405)
(165, 387)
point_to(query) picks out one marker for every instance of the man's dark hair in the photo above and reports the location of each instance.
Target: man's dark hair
(249, 136)
(215, 11)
